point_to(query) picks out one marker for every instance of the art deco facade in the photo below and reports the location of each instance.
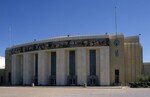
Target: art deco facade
(75, 60)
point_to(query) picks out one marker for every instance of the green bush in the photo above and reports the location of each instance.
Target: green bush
(148, 83)
(133, 85)
(142, 82)
(142, 78)
(139, 84)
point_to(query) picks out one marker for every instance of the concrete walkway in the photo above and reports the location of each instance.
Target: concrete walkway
(74, 92)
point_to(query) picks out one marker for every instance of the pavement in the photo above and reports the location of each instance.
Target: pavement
(74, 92)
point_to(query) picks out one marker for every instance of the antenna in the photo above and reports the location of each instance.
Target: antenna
(116, 21)
(10, 36)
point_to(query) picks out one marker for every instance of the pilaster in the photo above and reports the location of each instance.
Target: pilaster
(81, 66)
(104, 66)
(43, 73)
(13, 69)
(61, 73)
(28, 63)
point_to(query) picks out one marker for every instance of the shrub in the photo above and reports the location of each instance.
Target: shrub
(142, 78)
(139, 84)
(148, 83)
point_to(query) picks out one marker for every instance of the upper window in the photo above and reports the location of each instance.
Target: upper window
(116, 52)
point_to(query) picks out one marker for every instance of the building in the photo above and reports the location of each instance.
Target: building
(2, 76)
(146, 69)
(75, 60)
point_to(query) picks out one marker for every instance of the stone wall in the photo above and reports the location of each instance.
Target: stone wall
(146, 69)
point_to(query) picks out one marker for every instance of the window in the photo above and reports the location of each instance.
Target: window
(36, 69)
(36, 65)
(72, 63)
(92, 62)
(53, 63)
(116, 52)
(53, 68)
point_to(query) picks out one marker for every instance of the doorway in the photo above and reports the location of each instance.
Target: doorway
(117, 76)
(9, 77)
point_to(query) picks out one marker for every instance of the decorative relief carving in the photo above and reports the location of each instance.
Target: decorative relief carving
(61, 44)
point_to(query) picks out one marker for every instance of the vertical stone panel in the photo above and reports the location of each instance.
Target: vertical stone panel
(81, 66)
(49, 63)
(61, 77)
(19, 69)
(13, 69)
(141, 59)
(125, 58)
(104, 66)
(98, 64)
(67, 62)
(132, 62)
(87, 62)
(43, 73)
(17, 77)
(137, 61)
(28, 64)
(24, 69)
(129, 63)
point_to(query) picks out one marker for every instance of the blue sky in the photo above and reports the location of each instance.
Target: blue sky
(41, 19)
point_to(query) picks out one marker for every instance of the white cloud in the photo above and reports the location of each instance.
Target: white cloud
(2, 62)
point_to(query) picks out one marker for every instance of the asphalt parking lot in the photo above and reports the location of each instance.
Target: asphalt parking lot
(73, 92)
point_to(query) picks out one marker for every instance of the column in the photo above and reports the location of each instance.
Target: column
(61, 73)
(98, 65)
(21, 69)
(128, 63)
(43, 73)
(133, 62)
(81, 66)
(67, 62)
(104, 66)
(17, 70)
(13, 76)
(24, 69)
(28, 64)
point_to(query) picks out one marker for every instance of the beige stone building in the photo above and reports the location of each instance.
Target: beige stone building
(75, 60)
(146, 69)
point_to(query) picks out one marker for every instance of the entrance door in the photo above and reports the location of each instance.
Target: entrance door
(9, 77)
(53, 69)
(72, 82)
(92, 82)
(117, 76)
(53, 82)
